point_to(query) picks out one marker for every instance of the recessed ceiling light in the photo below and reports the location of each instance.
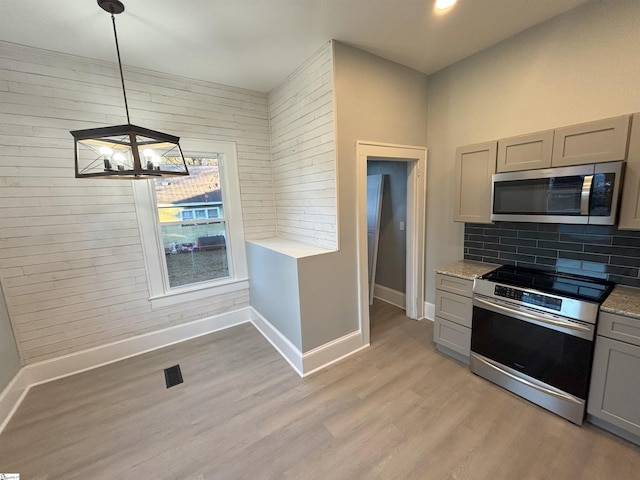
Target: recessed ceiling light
(444, 4)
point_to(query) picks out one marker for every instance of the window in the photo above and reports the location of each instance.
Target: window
(195, 248)
(191, 226)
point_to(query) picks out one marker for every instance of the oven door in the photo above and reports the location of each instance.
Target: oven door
(550, 349)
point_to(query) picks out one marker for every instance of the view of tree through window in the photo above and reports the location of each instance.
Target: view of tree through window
(193, 225)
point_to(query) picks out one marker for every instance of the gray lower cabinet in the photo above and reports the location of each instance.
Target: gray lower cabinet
(614, 396)
(452, 324)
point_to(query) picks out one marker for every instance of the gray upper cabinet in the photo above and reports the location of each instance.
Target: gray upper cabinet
(525, 152)
(592, 142)
(630, 205)
(475, 164)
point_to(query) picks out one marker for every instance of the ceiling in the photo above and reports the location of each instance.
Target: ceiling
(256, 44)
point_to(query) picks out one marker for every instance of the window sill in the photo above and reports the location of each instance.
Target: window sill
(198, 293)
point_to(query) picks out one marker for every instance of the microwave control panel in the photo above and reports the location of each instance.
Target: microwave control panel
(530, 298)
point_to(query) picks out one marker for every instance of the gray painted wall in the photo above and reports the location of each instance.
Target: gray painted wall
(579, 66)
(376, 100)
(273, 283)
(9, 356)
(391, 271)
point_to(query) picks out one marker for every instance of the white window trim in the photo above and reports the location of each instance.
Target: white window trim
(160, 295)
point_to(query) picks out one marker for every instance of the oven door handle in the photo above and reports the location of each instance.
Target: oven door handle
(555, 393)
(574, 328)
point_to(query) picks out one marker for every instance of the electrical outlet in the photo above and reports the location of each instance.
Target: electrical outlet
(401, 226)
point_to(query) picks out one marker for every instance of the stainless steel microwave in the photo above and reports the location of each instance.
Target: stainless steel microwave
(578, 194)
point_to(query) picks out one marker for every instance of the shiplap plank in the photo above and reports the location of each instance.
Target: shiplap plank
(303, 148)
(70, 253)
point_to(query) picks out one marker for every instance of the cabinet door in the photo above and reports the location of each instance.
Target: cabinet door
(630, 205)
(615, 384)
(525, 152)
(599, 141)
(474, 166)
(453, 336)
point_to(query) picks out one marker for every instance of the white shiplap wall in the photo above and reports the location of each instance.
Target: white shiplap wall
(303, 147)
(70, 252)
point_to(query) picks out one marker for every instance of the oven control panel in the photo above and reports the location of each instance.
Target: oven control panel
(530, 298)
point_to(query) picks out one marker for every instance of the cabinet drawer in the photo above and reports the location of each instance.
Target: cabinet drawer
(451, 335)
(599, 141)
(454, 308)
(454, 284)
(619, 327)
(525, 152)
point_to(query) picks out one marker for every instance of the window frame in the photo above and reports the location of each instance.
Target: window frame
(160, 293)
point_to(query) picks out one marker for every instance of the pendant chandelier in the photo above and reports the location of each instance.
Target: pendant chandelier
(126, 151)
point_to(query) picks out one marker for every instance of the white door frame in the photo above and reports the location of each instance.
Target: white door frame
(416, 158)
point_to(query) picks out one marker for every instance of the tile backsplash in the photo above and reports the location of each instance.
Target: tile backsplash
(591, 250)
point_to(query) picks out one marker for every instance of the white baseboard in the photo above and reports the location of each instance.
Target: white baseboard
(313, 360)
(55, 368)
(429, 311)
(12, 396)
(332, 352)
(389, 295)
(281, 343)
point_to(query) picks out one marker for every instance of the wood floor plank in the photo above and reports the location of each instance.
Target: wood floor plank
(397, 410)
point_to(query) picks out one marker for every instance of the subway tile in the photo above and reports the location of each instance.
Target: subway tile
(598, 251)
(500, 247)
(508, 233)
(476, 251)
(484, 238)
(473, 230)
(584, 238)
(627, 241)
(518, 241)
(492, 259)
(535, 266)
(565, 263)
(584, 257)
(575, 247)
(518, 226)
(625, 271)
(601, 229)
(546, 261)
(566, 228)
(539, 235)
(517, 257)
(540, 252)
(632, 282)
(624, 261)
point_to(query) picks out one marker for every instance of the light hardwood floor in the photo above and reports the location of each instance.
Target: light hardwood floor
(398, 409)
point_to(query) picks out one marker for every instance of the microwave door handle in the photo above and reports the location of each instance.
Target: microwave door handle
(585, 195)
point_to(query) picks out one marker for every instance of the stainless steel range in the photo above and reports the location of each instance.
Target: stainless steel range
(533, 333)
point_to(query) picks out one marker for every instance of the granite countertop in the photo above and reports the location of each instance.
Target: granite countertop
(623, 301)
(467, 269)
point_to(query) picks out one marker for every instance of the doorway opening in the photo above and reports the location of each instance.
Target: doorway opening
(415, 159)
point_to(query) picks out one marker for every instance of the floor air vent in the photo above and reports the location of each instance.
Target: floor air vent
(173, 376)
